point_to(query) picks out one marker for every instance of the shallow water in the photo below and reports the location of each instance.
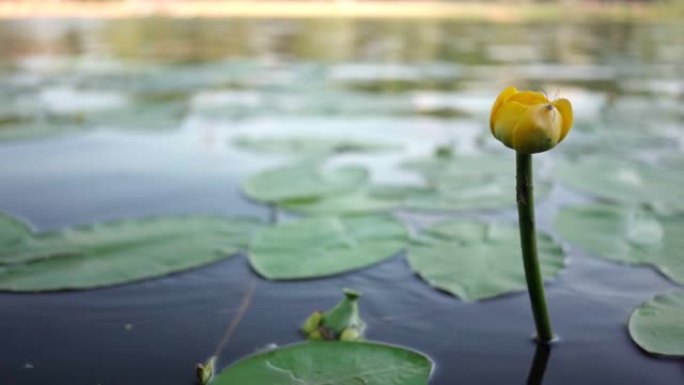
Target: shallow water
(418, 83)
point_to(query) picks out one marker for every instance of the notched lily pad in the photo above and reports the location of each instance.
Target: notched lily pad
(303, 181)
(331, 363)
(110, 253)
(324, 246)
(628, 235)
(474, 260)
(657, 326)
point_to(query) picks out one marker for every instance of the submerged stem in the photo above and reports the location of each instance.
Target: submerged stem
(528, 240)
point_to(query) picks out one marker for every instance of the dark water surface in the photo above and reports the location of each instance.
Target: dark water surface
(418, 83)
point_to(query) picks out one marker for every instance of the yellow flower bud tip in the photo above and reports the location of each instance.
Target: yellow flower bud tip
(528, 122)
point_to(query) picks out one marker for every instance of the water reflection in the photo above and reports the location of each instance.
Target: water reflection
(540, 361)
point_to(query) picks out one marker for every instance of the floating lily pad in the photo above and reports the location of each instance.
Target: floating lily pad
(475, 261)
(117, 252)
(331, 363)
(625, 181)
(142, 116)
(357, 202)
(463, 193)
(657, 326)
(324, 246)
(303, 181)
(12, 233)
(437, 169)
(627, 235)
(44, 126)
(311, 145)
(460, 183)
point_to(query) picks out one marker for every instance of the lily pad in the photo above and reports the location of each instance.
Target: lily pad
(331, 363)
(324, 246)
(303, 181)
(657, 326)
(117, 252)
(12, 233)
(436, 169)
(43, 126)
(463, 193)
(475, 261)
(311, 145)
(625, 181)
(357, 202)
(460, 183)
(628, 235)
(142, 116)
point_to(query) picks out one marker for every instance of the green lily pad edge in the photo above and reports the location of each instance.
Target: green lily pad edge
(657, 325)
(331, 363)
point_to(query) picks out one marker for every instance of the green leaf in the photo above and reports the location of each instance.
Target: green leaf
(465, 193)
(311, 145)
(476, 261)
(142, 116)
(627, 235)
(657, 326)
(117, 252)
(41, 127)
(357, 202)
(460, 183)
(330, 363)
(303, 181)
(12, 233)
(625, 181)
(324, 246)
(436, 169)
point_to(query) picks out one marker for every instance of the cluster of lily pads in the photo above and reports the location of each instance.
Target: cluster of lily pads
(344, 222)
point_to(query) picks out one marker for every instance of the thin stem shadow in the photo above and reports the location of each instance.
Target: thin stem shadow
(539, 362)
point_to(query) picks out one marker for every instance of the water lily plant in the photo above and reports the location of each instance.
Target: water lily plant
(342, 322)
(529, 123)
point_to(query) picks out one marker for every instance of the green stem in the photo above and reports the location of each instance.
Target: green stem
(528, 240)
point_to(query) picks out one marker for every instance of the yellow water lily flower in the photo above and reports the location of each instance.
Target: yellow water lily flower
(528, 122)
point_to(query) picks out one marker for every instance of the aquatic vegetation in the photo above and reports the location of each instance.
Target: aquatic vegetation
(625, 181)
(342, 322)
(657, 326)
(303, 180)
(323, 246)
(475, 260)
(311, 145)
(334, 362)
(389, 179)
(529, 123)
(111, 253)
(629, 235)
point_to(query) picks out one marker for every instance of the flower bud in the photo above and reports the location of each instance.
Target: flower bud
(205, 371)
(528, 122)
(312, 323)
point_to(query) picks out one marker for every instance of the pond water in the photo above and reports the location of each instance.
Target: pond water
(117, 119)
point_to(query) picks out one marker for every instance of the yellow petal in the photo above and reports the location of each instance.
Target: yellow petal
(538, 130)
(529, 98)
(500, 100)
(565, 109)
(506, 119)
